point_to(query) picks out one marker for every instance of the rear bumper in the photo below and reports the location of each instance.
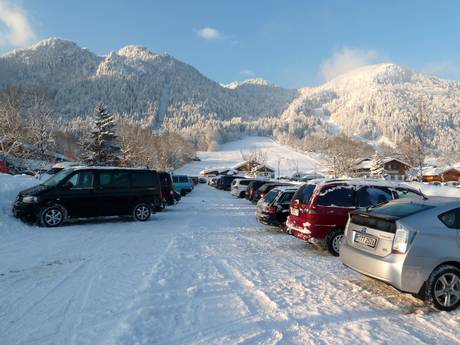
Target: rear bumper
(297, 231)
(267, 219)
(236, 192)
(392, 269)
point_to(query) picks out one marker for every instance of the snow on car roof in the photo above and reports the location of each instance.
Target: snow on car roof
(366, 182)
(286, 188)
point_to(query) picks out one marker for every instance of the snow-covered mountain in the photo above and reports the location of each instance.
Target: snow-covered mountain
(135, 80)
(374, 102)
(377, 102)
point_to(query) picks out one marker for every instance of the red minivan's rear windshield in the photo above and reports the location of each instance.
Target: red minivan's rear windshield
(304, 193)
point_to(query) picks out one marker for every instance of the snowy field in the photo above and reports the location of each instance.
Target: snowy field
(202, 272)
(231, 153)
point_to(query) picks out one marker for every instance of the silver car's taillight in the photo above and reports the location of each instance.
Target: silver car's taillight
(345, 234)
(400, 241)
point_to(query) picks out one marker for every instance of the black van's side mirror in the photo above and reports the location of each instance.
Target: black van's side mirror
(67, 185)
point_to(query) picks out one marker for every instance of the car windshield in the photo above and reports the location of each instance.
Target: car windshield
(55, 179)
(399, 210)
(270, 197)
(304, 193)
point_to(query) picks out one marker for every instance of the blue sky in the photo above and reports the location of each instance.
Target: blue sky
(292, 43)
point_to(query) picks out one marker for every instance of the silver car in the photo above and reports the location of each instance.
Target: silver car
(412, 244)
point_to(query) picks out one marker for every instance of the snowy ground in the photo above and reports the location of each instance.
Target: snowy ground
(202, 272)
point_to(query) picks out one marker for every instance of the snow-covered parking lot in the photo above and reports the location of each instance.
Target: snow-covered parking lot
(202, 272)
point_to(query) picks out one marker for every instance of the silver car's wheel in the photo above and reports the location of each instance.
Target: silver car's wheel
(142, 212)
(52, 216)
(447, 290)
(334, 241)
(444, 287)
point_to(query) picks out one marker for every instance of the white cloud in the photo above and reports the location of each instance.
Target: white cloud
(209, 33)
(346, 60)
(443, 69)
(247, 73)
(15, 29)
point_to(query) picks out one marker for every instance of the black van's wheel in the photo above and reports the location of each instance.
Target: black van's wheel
(334, 241)
(141, 212)
(52, 216)
(443, 287)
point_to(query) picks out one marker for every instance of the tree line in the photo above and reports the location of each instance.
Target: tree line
(29, 129)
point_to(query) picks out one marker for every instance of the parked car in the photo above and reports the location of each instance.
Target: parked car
(225, 182)
(177, 196)
(167, 187)
(252, 187)
(265, 188)
(3, 167)
(322, 217)
(90, 192)
(212, 181)
(411, 244)
(202, 180)
(195, 180)
(239, 186)
(273, 209)
(182, 184)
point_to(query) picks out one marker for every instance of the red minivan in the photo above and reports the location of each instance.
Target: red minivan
(319, 213)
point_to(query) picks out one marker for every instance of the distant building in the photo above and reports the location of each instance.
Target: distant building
(254, 169)
(441, 174)
(393, 168)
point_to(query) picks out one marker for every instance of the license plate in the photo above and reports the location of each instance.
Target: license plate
(294, 211)
(365, 240)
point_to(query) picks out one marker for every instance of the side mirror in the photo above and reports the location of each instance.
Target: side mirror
(67, 185)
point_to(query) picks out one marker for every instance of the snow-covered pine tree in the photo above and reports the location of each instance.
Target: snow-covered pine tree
(102, 147)
(377, 167)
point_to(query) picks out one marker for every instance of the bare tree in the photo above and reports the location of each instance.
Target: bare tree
(12, 126)
(342, 153)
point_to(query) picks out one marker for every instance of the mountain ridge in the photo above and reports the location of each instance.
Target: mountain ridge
(370, 102)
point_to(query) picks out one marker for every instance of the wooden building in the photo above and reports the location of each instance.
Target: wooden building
(393, 168)
(445, 174)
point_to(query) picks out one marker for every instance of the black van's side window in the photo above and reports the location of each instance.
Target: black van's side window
(120, 179)
(81, 179)
(142, 179)
(105, 179)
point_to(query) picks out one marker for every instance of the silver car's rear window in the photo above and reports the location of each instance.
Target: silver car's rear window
(398, 210)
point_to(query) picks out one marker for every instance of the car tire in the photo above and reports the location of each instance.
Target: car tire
(142, 212)
(443, 288)
(183, 192)
(334, 240)
(52, 216)
(241, 196)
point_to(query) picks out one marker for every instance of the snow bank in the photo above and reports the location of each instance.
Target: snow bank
(10, 186)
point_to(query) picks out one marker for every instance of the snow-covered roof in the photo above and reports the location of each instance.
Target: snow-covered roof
(367, 182)
(366, 163)
(262, 166)
(389, 159)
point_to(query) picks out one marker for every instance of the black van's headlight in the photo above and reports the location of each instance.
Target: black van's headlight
(29, 199)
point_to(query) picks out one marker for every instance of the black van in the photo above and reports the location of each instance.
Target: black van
(90, 192)
(167, 187)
